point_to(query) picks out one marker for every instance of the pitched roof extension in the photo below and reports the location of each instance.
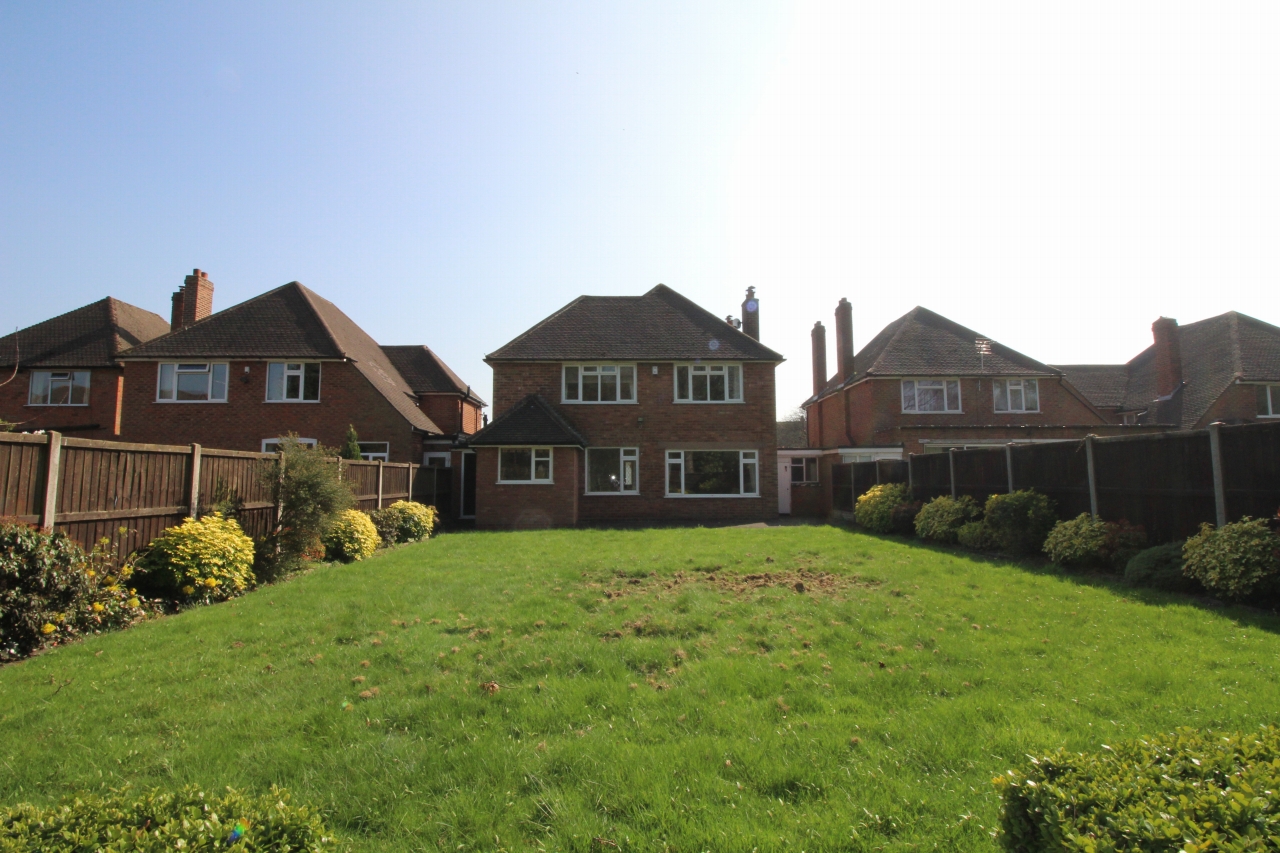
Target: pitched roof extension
(427, 373)
(924, 343)
(532, 421)
(289, 322)
(660, 325)
(90, 336)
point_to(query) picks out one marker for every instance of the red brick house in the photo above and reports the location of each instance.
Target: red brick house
(64, 374)
(633, 410)
(288, 361)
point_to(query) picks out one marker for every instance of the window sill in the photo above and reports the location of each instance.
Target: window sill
(600, 402)
(308, 402)
(953, 414)
(1027, 412)
(189, 402)
(697, 497)
(55, 406)
(709, 402)
(526, 482)
(611, 494)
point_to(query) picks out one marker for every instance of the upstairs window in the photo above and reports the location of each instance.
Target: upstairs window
(709, 383)
(192, 383)
(1269, 401)
(1017, 395)
(712, 473)
(599, 383)
(613, 471)
(930, 395)
(524, 465)
(293, 382)
(59, 388)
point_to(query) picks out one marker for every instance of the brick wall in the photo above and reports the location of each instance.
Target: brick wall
(810, 500)
(1237, 404)
(532, 505)
(242, 422)
(104, 390)
(444, 411)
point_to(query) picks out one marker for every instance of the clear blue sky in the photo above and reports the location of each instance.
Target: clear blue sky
(1054, 176)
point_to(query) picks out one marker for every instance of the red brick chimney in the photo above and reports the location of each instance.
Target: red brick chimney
(844, 339)
(751, 314)
(819, 339)
(1168, 356)
(193, 301)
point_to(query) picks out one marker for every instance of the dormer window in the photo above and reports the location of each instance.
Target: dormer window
(599, 383)
(1016, 395)
(293, 382)
(708, 383)
(1269, 401)
(931, 395)
(192, 382)
(59, 388)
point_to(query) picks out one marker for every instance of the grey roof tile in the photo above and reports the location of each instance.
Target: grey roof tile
(89, 336)
(532, 421)
(427, 373)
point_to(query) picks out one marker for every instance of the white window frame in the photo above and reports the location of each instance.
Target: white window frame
(804, 464)
(1273, 401)
(272, 445)
(746, 459)
(934, 382)
(1008, 385)
(625, 455)
(709, 369)
(598, 369)
(52, 376)
(293, 368)
(187, 367)
(536, 455)
(372, 455)
(444, 455)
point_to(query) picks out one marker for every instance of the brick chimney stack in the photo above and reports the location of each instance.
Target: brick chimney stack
(1168, 356)
(819, 339)
(192, 302)
(844, 339)
(751, 314)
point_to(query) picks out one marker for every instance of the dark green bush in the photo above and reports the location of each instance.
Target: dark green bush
(941, 518)
(874, 509)
(146, 821)
(976, 535)
(1088, 542)
(1161, 568)
(1235, 561)
(311, 494)
(902, 519)
(1183, 792)
(1019, 521)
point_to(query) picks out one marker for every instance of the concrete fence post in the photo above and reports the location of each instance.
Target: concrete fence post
(1008, 464)
(193, 489)
(51, 470)
(1219, 487)
(911, 478)
(1093, 476)
(951, 462)
(279, 498)
(379, 484)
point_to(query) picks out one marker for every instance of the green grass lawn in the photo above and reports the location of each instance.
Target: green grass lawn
(650, 689)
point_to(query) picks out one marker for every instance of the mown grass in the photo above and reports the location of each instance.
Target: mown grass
(577, 689)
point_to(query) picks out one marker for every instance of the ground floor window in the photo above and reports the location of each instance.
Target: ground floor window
(1269, 401)
(272, 445)
(524, 465)
(437, 459)
(613, 470)
(713, 473)
(804, 470)
(59, 388)
(375, 450)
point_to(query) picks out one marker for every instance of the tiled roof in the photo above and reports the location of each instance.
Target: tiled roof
(532, 421)
(290, 322)
(427, 373)
(91, 336)
(1103, 385)
(660, 325)
(923, 343)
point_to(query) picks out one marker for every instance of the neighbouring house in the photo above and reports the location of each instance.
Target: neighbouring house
(630, 410)
(290, 362)
(64, 374)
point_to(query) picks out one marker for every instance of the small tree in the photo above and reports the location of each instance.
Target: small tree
(350, 445)
(307, 488)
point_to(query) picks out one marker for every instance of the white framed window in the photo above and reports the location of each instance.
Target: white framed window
(437, 459)
(931, 395)
(804, 470)
(192, 382)
(708, 383)
(375, 450)
(272, 445)
(599, 383)
(713, 473)
(1269, 401)
(59, 388)
(293, 382)
(1016, 395)
(524, 465)
(613, 471)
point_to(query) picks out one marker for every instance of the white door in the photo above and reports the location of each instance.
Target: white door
(784, 486)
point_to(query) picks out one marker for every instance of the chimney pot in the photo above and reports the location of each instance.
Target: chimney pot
(751, 315)
(819, 339)
(844, 340)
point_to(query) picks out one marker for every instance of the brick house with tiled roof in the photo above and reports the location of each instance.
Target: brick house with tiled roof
(630, 409)
(64, 373)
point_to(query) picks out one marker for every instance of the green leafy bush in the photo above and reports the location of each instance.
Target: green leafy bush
(352, 536)
(1183, 792)
(976, 535)
(874, 509)
(1234, 561)
(404, 521)
(350, 448)
(310, 492)
(1019, 521)
(52, 591)
(156, 820)
(199, 561)
(1085, 541)
(941, 518)
(1160, 568)
(902, 520)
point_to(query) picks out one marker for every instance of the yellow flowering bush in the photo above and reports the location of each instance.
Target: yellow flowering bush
(352, 536)
(201, 560)
(404, 521)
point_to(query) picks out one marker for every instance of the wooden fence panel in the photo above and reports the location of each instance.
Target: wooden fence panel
(243, 480)
(22, 465)
(1059, 469)
(1251, 470)
(1162, 482)
(931, 476)
(981, 473)
(842, 495)
(434, 487)
(363, 477)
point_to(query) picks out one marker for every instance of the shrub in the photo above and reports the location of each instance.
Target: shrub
(1234, 561)
(976, 535)
(200, 561)
(874, 509)
(902, 520)
(187, 819)
(1160, 568)
(352, 536)
(1019, 521)
(350, 448)
(310, 493)
(1184, 791)
(941, 518)
(1087, 541)
(404, 521)
(52, 591)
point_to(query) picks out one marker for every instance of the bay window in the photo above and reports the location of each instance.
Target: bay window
(524, 465)
(1016, 395)
(599, 383)
(59, 388)
(613, 471)
(192, 382)
(712, 473)
(709, 383)
(930, 395)
(297, 382)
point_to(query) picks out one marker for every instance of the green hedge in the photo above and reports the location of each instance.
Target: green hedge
(188, 819)
(875, 507)
(1238, 561)
(940, 519)
(1184, 792)
(1020, 521)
